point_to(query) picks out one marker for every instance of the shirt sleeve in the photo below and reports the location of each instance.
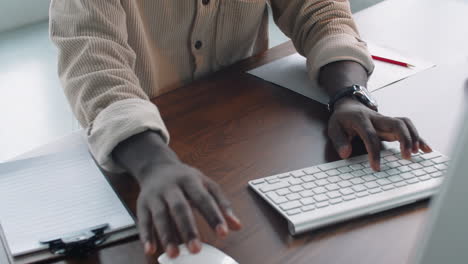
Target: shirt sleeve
(96, 69)
(323, 31)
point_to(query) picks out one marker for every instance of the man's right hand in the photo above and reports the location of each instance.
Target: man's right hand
(168, 188)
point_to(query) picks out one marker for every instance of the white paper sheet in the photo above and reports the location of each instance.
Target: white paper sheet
(53, 195)
(291, 72)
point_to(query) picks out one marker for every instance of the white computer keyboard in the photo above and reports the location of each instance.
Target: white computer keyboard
(324, 194)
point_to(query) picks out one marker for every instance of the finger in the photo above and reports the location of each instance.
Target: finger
(145, 228)
(181, 214)
(164, 229)
(368, 134)
(339, 139)
(226, 208)
(205, 203)
(413, 133)
(395, 129)
(424, 146)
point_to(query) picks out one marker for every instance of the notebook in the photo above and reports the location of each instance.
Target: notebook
(53, 195)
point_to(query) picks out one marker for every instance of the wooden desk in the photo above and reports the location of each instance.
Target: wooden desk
(235, 128)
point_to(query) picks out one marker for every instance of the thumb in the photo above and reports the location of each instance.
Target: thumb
(340, 140)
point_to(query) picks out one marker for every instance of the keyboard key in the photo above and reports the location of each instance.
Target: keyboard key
(358, 173)
(400, 184)
(356, 166)
(393, 164)
(346, 191)
(366, 164)
(308, 178)
(332, 172)
(356, 180)
(344, 184)
(390, 158)
(441, 166)
(362, 194)
(322, 204)
(370, 185)
(293, 211)
(383, 182)
(336, 200)
(307, 193)
(320, 175)
(279, 199)
(257, 182)
(418, 172)
(298, 174)
(319, 190)
(404, 168)
(415, 166)
(346, 176)
(424, 178)
(333, 194)
(395, 178)
(349, 197)
(334, 179)
(417, 159)
(284, 175)
(436, 174)
(283, 191)
(309, 185)
(412, 181)
(387, 187)
(320, 197)
(295, 181)
(273, 180)
(332, 187)
(308, 208)
(290, 205)
(440, 159)
(430, 155)
(296, 188)
(407, 175)
(426, 163)
(312, 170)
(381, 174)
(344, 169)
(293, 196)
(369, 178)
(321, 182)
(375, 190)
(307, 201)
(368, 170)
(392, 172)
(358, 188)
(404, 162)
(273, 187)
(331, 165)
(384, 167)
(430, 169)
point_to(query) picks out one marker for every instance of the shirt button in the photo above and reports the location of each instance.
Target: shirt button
(198, 44)
(205, 2)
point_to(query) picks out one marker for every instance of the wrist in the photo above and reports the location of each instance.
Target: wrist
(143, 152)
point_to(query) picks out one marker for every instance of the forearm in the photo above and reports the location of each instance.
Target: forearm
(341, 74)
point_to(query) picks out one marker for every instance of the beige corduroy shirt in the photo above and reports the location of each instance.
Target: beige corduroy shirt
(114, 55)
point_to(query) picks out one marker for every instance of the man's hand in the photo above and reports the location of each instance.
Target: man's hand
(351, 118)
(168, 188)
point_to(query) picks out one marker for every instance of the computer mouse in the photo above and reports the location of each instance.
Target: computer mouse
(207, 255)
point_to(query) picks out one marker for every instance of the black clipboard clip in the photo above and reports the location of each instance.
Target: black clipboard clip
(77, 244)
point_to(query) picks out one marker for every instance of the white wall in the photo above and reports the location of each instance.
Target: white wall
(15, 13)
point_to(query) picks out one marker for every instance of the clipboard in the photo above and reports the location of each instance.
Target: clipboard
(73, 140)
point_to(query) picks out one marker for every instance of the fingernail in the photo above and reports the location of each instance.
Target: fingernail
(231, 214)
(222, 230)
(172, 251)
(148, 248)
(343, 152)
(194, 246)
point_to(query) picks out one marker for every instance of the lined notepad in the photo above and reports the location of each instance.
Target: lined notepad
(53, 195)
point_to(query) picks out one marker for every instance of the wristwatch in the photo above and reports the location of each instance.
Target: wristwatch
(356, 91)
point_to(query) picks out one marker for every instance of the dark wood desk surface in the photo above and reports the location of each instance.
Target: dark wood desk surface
(236, 127)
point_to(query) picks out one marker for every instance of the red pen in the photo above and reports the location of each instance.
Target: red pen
(404, 64)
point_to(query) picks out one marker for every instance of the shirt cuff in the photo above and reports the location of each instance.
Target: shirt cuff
(339, 47)
(119, 121)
